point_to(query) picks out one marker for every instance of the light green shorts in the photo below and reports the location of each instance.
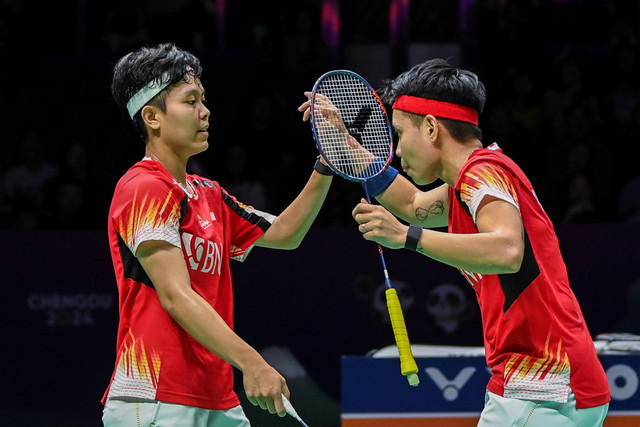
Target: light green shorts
(133, 412)
(505, 412)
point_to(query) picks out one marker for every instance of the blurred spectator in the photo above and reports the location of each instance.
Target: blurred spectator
(269, 151)
(506, 31)
(581, 207)
(238, 182)
(5, 205)
(622, 20)
(499, 125)
(630, 323)
(524, 104)
(25, 182)
(629, 201)
(4, 36)
(625, 88)
(564, 84)
(125, 26)
(626, 140)
(303, 53)
(578, 150)
(68, 208)
(73, 198)
(199, 15)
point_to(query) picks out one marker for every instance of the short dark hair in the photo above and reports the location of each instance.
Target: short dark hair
(137, 69)
(436, 79)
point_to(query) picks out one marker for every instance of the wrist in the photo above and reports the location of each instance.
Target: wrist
(381, 182)
(321, 168)
(413, 237)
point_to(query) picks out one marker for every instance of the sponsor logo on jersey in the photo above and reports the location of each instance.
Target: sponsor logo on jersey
(204, 223)
(203, 255)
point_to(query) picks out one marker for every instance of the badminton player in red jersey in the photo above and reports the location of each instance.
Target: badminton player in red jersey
(172, 235)
(544, 365)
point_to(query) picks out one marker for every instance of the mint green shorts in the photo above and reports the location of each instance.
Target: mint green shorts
(133, 412)
(505, 412)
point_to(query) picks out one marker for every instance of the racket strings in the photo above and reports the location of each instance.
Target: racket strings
(351, 126)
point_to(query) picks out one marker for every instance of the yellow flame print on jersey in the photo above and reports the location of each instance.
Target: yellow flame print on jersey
(487, 175)
(147, 214)
(549, 368)
(136, 363)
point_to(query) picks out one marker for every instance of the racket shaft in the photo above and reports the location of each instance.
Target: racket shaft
(408, 365)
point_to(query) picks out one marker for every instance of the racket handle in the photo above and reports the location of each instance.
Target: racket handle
(408, 365)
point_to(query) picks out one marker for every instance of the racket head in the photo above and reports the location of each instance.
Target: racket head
(350, 126)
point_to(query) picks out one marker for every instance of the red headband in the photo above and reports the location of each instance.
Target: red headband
(446, 110)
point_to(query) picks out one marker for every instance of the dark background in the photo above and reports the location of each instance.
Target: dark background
(563, 101)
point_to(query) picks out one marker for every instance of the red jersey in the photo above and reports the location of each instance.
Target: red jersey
(156, 358)
(536, 339)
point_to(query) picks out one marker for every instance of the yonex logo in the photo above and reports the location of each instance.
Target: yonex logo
(450, 388)
(623, 381)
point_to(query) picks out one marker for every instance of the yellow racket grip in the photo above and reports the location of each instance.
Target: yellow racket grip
(408, 365)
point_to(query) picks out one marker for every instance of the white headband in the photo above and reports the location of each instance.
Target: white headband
(147, 93)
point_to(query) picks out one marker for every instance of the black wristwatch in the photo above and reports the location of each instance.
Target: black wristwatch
(322, 169)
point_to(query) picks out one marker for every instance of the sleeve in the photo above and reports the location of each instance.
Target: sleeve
(487, 179)
(148, 208)
(247, 225)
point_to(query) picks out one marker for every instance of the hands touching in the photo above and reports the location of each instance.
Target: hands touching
(335, 140)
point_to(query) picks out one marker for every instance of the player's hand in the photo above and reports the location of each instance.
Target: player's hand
(379, 225)
(264, 387)
(305, 107)
(325, 111)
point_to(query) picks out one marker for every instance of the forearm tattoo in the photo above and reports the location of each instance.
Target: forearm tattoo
(436, 208)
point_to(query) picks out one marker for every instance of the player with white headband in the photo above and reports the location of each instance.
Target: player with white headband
(172, 235)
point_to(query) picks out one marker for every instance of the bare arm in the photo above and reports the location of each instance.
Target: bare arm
(292, 225)
(497, 248)
(165, 266)
(424, 208)
(428, 209)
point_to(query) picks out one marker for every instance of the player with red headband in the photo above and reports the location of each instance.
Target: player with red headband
(543, 362)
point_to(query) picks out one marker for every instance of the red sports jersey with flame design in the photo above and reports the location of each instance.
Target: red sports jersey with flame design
(156, 358)
(536, 340)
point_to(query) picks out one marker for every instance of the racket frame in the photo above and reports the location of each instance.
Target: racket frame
(317, 138)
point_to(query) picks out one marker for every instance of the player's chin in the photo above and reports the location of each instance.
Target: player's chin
(419, 180)
(201, 145)
(412, 176)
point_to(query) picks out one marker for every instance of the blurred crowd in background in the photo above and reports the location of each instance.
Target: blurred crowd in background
(562, 80)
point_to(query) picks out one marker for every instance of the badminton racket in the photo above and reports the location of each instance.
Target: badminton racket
(352, 133)
(291, 411)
